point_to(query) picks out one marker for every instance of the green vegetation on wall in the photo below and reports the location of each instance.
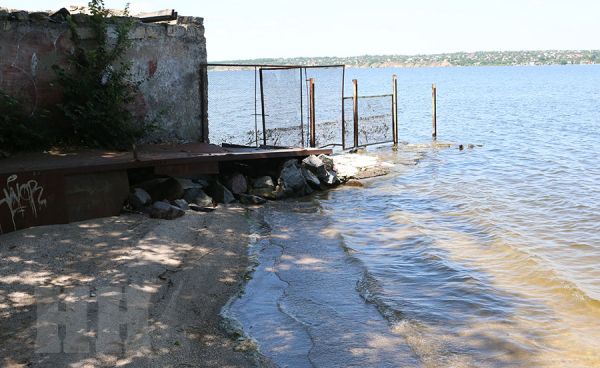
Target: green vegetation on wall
(95, 85)
(20, 131)
(96, 94)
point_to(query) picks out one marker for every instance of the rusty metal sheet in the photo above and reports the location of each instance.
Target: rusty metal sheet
(190, 171)
(41, 189)
(31, 199)
(95, 195)
(91, 161)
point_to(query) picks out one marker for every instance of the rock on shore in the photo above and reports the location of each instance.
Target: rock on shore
(169, 197)
(359, 166)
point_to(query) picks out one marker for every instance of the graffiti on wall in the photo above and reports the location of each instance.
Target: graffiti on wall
(23, 199)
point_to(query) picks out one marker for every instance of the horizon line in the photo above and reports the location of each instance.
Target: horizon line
(405, 55)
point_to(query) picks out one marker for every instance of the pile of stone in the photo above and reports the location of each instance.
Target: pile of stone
(169, 197)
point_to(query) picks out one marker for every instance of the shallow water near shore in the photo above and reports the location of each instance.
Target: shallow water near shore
(482, 257)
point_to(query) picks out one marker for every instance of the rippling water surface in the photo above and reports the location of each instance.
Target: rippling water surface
(488, 256)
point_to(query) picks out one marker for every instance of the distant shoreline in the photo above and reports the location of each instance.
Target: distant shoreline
(459, 59)
(237, 68)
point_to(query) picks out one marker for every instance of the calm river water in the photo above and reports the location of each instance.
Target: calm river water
(488, 256)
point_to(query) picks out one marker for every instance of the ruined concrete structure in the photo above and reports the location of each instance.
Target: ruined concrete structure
(166, 62)
(169, 62)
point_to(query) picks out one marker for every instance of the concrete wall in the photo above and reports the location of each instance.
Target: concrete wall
(166, 61)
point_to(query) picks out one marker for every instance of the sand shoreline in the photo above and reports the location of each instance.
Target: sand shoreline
(190, 267)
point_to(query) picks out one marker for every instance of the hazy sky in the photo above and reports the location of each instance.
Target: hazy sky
(238, 29)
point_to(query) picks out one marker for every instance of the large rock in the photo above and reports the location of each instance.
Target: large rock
(181, 203)
(328, 162)
(251, 199)
(163, 189)
(269, 193)
(166, 211)
(330, 179)
(220, 193)
(237, 183)
(291, 180)
(139, 198)
(190, 194)
(264, 187)
(203, 180)
(316, 165)
(263, 182)
(199, 197)
(188, 183)
(311, 178)
(359, 166)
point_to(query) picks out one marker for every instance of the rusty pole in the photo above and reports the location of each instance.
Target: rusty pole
(312, 112)
(434, 117)
(343, 107)
(355, 101)
(395, 109)
(301, 110)
(262, 107)
(255, 108)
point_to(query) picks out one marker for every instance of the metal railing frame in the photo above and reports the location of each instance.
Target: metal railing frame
(310, 90)
(356, 116)
(310, 85)
(258, 84)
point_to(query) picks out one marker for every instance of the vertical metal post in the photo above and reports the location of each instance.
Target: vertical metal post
(301, 110)
(395, 109)
(343, 108)
(434, 117)
(312, 112)
(355, 109)
(203, 92)
(255, 107)
(262, 106)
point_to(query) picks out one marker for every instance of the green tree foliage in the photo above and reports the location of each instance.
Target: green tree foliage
(20, 131)
(96, 94)
(95, 85)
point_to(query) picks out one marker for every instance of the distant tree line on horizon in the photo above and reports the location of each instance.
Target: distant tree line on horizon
(481, 58)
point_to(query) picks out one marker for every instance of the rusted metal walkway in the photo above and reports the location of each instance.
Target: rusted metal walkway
(199, 154)
(61, 187)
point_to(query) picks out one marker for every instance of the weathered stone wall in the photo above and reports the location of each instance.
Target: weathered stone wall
(166, 61)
